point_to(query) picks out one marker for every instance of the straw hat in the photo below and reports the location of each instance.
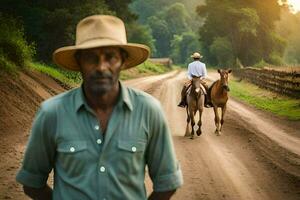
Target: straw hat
(101, 31)
(196, 55)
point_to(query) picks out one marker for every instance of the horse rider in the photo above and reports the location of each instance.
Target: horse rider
(198, 69)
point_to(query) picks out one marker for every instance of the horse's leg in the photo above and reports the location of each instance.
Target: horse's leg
(188, 119)
(223, 115)
(217, 120)
(200, 108)
(199, 122)
(192, 123)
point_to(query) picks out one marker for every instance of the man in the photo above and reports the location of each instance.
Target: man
(195, 68)
(99, 138)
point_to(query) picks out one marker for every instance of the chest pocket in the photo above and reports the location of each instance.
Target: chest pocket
(131, 156)
(71, 157)
(133, 147)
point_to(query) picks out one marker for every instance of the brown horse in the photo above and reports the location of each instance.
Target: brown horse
(195, 102)
(219, 96)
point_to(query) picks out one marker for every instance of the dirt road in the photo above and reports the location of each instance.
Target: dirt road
(231, 166)
(246, 162)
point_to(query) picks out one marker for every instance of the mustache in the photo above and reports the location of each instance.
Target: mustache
(101, 75)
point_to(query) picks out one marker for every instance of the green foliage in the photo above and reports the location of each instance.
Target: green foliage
(171, 24)
(148, 8)
(161, 34)
(183, 46)
(248, 27)
(144, 69)
(151, 68)
(51, 24)
(261, 64)
(276, 59)
(14, 50)
(265, 100)
(166, 25)
(140, 34)
(69, 78)
(121, 8)
(177, 18)
(222, 49)
(7, 65)
(289, 28)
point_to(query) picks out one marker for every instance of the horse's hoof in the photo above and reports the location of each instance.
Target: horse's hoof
(199, 133)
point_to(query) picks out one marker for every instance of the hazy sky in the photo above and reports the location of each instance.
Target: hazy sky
(295, 4)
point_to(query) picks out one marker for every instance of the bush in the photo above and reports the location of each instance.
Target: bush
(69, 78)
(15, 52)
(275, 59)
(151, 68)
(7, 65)
(261, 64)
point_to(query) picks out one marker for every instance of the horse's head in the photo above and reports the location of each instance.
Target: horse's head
(196, 84)
(224, 78)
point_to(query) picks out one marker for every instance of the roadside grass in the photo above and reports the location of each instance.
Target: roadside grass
(266, 100)
(145, 69)
(69, 78)
(73, 79)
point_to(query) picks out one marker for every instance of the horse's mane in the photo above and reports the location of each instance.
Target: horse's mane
(212, 85)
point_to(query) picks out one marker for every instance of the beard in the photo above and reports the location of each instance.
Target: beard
(99, 83)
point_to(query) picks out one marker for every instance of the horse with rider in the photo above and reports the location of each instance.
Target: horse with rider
(196, 94)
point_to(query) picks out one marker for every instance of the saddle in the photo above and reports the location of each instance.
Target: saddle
(201, 86)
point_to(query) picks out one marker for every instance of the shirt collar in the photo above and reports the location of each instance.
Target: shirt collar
(124, 98)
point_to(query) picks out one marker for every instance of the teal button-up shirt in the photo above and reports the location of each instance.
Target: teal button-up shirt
(66, 136)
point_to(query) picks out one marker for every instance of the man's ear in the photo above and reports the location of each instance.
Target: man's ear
(229, 71)
(219, 71)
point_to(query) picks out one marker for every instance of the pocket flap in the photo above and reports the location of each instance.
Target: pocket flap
(132, 146)
(72, 146)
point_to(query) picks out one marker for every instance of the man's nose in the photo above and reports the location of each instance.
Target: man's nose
(102, 64)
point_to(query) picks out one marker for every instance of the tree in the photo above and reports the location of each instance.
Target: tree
(183, 46)
(121, 8)
(248, 25)
(162, 36)
(176, 17)
(169, 20)
(221, 47)
(140, 34)
(51, 24)
(289, 28)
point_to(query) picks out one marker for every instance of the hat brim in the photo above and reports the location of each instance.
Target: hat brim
(196, 56)
(137, 53)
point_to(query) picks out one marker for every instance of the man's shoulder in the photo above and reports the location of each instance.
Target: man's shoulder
(139, 97)
(61, 99)
(196, 62)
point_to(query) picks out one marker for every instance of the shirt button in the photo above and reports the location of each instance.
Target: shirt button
(102, 169)
(133, 149)
(72, 149)
(99, 141)
(96, 127)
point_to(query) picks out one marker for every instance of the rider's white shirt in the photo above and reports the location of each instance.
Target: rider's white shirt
(196, 68)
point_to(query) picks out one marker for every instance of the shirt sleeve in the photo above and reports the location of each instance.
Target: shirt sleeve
(189, 74)
(204, 71)
(163, 166)
(39, 155)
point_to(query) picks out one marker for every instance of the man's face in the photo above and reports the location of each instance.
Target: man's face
(100, 68)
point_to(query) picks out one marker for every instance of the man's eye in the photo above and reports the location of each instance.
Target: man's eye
(92, 58)
(110, 56)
